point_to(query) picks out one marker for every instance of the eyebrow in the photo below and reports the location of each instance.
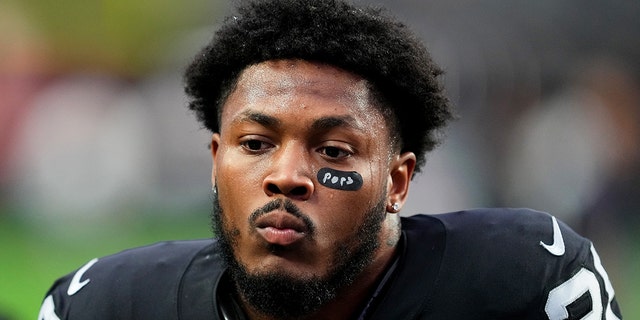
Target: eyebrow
(322, 124)
(330, 122)
(260, 118)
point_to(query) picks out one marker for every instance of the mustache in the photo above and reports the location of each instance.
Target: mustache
(288, 206)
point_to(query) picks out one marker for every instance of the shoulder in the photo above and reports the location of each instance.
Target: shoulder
(505, 240)
(501, 228)
(143, 281)
(480, 218)
(159, 260)
(516, 262)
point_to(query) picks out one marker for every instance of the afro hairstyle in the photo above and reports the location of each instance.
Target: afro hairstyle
(363, 41)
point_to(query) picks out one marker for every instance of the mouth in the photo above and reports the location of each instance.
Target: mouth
(281, 228)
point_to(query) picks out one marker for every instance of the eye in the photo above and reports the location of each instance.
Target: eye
(255, 145)
(334, 152)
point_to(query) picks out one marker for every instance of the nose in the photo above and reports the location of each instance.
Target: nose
(289, 174)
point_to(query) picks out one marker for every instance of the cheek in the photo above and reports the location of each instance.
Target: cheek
(236, 188)
(347, 210)
(241, 178)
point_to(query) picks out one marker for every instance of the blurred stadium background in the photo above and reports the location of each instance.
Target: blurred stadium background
(98, 152)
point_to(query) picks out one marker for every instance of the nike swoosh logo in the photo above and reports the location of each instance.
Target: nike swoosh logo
(557, 247)
(75, 284)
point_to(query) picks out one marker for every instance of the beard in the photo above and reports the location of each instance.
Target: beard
(278, 294)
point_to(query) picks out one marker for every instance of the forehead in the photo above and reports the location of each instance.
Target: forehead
(300, 87)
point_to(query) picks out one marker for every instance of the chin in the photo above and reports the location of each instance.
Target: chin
(289, 264)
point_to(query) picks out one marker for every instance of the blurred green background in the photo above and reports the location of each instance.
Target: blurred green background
(33, 256)
(98, 152)
(42, 44)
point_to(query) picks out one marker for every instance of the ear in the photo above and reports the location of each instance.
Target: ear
(400, 177)
(214, 146)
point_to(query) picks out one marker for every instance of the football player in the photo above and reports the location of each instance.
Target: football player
(321, 114)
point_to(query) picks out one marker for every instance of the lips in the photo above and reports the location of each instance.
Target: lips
(281, 228)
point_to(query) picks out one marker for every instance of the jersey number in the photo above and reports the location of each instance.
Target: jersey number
(581, 283)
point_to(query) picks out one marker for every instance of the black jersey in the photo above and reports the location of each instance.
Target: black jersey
(479, 264)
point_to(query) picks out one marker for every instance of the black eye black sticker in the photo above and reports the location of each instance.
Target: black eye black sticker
(341, 180)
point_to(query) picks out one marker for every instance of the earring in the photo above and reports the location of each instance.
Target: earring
(395, 207)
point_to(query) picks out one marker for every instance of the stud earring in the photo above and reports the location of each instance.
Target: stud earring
(395, 207)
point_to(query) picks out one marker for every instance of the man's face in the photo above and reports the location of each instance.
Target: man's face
(282, 123)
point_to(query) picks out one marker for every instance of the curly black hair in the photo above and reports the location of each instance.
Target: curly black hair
(363, 41)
